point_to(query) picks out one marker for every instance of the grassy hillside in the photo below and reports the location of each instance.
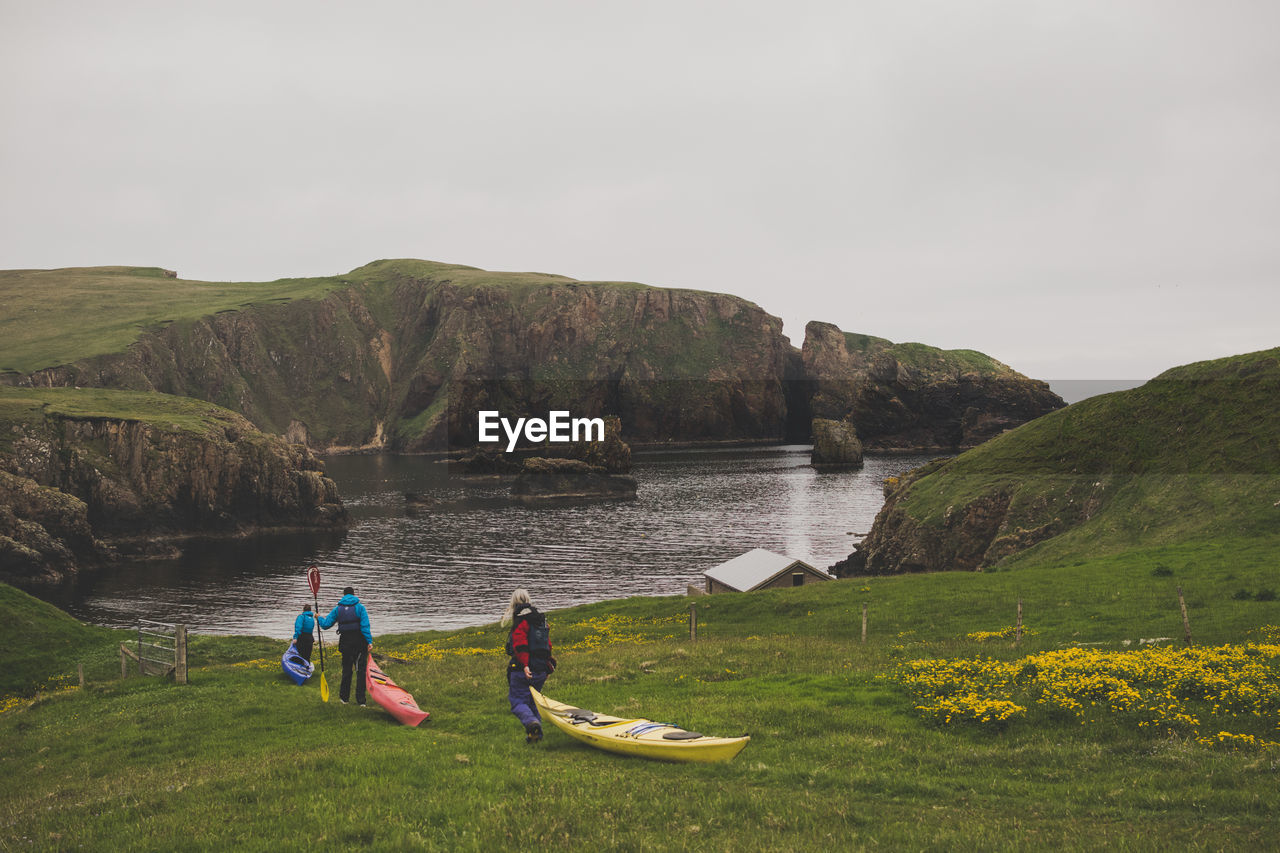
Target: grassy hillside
(24, 405)
(924, 357)
(1192, 455)
(55, 317)
(840, 753)
(46, 645)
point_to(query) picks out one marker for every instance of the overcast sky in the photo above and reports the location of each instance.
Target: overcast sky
(1084, 189)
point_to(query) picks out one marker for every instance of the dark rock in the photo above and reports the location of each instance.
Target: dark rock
(912, 397)
(74, 489)
(835, 443)
(611, 453)
(561, 480)
(485, 463)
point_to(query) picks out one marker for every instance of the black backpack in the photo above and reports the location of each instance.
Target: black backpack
(540, 658)
(539, 637)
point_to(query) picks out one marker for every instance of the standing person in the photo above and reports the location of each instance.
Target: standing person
(529, 645)
(304, 632)
(355, 641)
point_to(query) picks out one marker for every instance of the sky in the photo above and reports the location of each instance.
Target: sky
(1085, 190)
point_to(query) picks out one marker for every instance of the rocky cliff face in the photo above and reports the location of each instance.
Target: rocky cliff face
(405, 357)
(915, 397)
(672, 364)
(973, 533)
(79, 488)
(401, 355)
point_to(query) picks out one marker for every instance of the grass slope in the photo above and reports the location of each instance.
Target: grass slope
(1192, 455)
(47, 644)
(926, 358)
(839, 756)
(33, 406)
(59, 316)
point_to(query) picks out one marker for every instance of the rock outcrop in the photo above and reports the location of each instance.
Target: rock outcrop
(87, 476)
(547, 480)
(835, 443)
(911, 397)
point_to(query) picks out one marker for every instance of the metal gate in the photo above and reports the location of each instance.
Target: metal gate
(162, 650)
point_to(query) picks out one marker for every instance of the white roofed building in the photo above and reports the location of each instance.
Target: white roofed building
(761, 569)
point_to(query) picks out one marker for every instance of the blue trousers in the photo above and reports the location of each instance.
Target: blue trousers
(522, 704)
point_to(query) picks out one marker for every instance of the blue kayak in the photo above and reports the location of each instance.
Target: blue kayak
(296, 666)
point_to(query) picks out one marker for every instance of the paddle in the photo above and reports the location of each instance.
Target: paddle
(313, 580)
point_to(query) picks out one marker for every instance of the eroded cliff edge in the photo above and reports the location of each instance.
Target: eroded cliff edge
(911, 397)
(87, 476)
(400, 355)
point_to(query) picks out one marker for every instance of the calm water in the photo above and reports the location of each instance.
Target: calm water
(455, 567)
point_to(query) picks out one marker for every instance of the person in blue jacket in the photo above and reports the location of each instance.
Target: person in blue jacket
(304, 632)
(355, 641)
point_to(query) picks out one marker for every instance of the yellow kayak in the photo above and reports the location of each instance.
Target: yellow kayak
(638, 736)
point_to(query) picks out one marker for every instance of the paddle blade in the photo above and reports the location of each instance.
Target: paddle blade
(324, 688)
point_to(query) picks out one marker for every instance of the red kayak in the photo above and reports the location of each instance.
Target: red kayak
(392, 696)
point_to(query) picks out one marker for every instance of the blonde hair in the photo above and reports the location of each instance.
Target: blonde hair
(520, 596)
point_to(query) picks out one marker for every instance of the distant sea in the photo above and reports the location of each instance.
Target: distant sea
(1075, 390)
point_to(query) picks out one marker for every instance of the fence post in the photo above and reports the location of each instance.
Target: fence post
(1017, 636)
(80, 672)
(1186, 623)
(693, 622)
(180, 655)
(125, 654)
(864, 621)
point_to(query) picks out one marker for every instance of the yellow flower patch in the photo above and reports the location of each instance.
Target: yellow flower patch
(1164, 690)
(1009, 633)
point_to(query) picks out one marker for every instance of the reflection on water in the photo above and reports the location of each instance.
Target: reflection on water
(443, 569)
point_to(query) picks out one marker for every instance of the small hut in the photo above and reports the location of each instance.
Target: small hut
(761, 569)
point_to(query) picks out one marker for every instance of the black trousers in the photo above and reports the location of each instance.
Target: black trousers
(355, 656)
(304, 644)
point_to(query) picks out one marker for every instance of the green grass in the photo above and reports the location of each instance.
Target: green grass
(926, 358)
(49, 644)
(28, 410)
(162, 410)
(60, 316)
(55, 317)
(838, 757)
(1191, 455)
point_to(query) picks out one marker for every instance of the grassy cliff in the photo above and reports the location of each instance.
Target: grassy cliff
(87, 475)
(397, 354)
(1192, 455)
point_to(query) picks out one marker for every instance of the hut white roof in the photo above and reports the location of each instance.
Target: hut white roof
(756, 568)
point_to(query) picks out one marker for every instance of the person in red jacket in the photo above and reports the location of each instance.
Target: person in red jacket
(529, 645)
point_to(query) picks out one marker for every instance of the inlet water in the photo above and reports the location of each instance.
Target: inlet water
(456, 566)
